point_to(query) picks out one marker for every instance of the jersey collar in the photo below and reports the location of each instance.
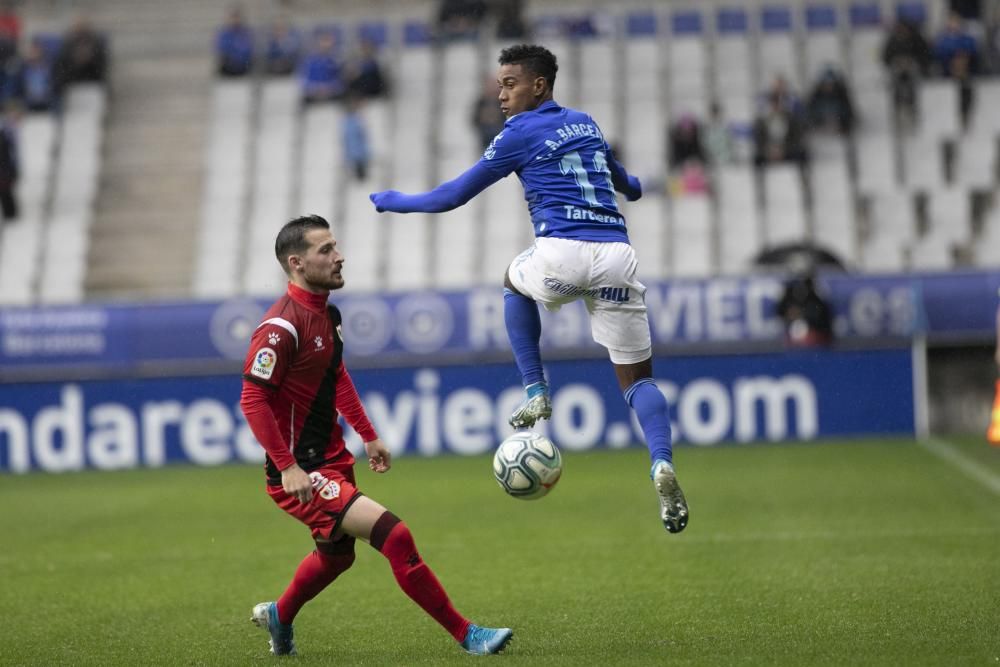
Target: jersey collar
(546, 105)
(316, 302)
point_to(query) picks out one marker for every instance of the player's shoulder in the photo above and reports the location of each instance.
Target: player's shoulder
(283, 316)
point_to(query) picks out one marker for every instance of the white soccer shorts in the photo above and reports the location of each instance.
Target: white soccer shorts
(557, 271)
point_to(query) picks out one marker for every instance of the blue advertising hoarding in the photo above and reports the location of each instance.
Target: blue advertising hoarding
(150, 422)
(207, 337)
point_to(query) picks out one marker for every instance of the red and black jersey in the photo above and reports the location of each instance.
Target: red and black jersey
(295, 384)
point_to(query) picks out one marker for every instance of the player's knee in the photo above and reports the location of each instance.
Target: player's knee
(337, 556)
(393, 539)
(383, 526)
(342, 549)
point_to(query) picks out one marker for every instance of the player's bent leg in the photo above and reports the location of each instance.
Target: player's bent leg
(392, 538)
(316, 571)
(524, 330)
(651, 409)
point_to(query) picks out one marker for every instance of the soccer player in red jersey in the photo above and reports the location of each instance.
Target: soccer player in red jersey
(294, 386)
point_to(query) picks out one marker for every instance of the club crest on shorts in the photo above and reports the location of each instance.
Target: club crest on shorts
(263, 363)
(326, 488)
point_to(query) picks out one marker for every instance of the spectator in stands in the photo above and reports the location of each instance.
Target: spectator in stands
(907, 55)
(684, 142)
(689, 179)
(778, 135)
(234, 48)
(830, 105)
(10, 32)
(782, 91)
(807, 316)
(367, 78)
(487, 117)
(283, 49)
(952, 42)
(510, 19)
(83, 56)
(33, 82)
(321, 72)
(961, 72)
(357, 151)
(459, 19)
(717, 138)
(10, 169)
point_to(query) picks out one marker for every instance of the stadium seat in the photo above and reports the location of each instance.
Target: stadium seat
(875, 114)
(985, 120)
(986, 249)
(833, 208)
(823, 46)
(976, 161)
(740, 235)
(876, 163)
(938, 105)
(778, 52)
(732, 62)
(407, 251)
(864, 47)
(647, 231)
(692, 238)
(20, 251)
(891, 231)
(66, 242)
(784, 205)
(923, 162)
(949, 215)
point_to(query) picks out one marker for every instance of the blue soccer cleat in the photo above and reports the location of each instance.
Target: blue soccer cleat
(673, 506)
(486, 641)
(535, 406)
(265, 615)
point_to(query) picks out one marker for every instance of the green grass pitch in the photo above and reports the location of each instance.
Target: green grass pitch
(833, 553)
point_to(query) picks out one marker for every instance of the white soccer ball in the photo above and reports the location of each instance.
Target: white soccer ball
(527, 465)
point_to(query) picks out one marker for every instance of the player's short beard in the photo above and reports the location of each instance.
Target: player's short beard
(326, 281)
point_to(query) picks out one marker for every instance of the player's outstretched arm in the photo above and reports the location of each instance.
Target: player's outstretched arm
(445, 197)
(624, 182)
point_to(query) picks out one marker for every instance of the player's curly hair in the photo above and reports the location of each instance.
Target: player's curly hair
(292, 237)
(533, 58)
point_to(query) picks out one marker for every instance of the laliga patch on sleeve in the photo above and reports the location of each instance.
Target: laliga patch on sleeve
(263, 363)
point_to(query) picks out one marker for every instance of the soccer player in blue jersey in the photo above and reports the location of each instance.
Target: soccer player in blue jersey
(581, 249)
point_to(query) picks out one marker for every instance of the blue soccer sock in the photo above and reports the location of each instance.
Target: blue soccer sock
(651, 408)
(524, 329)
